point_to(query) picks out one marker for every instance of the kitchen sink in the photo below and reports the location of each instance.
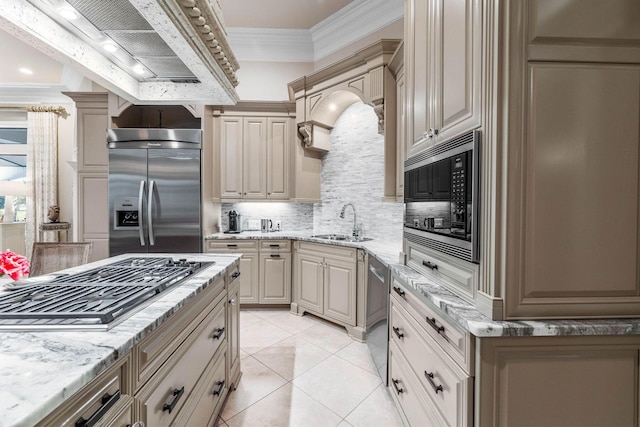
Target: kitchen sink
(340, 237)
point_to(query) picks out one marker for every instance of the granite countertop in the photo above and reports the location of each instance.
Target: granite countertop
(40, 370)
(386, 251)
(455, 308)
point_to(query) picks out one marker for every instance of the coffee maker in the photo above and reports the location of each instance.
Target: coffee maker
(235, 222)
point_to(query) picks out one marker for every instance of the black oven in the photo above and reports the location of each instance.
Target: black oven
(441, 197)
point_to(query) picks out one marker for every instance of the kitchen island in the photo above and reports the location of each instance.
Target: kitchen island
(40, 371)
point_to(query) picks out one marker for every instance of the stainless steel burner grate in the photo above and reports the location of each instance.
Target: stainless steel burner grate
(92, 299)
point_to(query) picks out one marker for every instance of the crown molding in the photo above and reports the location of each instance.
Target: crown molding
(271, 44)
(352, 23)
(346, 26)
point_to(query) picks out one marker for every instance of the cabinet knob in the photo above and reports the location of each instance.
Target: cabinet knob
(431, 132)
(232, 301)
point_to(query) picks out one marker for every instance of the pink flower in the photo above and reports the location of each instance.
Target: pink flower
(16, 266)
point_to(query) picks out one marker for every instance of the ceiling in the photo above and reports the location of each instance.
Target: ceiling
(257, 30)
(291, 14)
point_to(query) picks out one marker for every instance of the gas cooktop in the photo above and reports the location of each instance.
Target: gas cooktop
(95, 299)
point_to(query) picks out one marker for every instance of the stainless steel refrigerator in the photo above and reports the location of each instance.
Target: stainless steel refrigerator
(154, 190)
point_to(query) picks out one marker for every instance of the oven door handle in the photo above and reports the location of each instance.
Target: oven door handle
(140, 211)
(152, 184)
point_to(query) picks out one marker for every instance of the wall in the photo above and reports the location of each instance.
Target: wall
(293, 216)
(267, 81)
(353, 172)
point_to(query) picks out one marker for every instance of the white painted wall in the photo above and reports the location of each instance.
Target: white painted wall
(267, 81)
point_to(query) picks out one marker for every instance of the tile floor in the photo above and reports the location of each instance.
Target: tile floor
(304, 371)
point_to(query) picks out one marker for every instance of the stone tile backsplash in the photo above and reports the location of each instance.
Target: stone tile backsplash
(352, 172)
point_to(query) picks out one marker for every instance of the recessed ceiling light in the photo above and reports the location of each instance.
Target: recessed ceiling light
(68, 12)
(110, 46)
(139, 69)
(25, 70)
(332, 107)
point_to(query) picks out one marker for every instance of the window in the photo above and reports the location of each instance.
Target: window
(13, 172)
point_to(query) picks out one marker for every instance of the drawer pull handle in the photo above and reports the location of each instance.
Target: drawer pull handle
(432, 322)
(274, 246)
(218, 333)
(107, 402)
(399, 334)
(436, 388)
(395, 385)
(275, 256)
(229, 245)
(218, 390)
(398, 291)
(235, 274)
(430, 265)
(177, 394)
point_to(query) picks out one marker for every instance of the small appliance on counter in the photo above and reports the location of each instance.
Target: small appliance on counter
(235, 223)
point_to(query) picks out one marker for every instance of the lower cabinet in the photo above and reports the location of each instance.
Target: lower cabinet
(560, 381)
(265, 268)
(106, 401)
(233, 333)
(427, 382)
(327, 283)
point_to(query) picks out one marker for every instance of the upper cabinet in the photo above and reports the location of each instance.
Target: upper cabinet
(443, 66)
(258, 155)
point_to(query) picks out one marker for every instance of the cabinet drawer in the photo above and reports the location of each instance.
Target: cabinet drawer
(418, 410)
(454, 341)
(282, 245)
(172, 387)
(211, 392)
(233, 274)
(154, 350)
(459, 276)
(443, 381)
(235, 245)
(327, 250)
(88, 401)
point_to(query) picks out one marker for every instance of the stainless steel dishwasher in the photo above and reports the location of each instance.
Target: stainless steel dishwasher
(378, 314)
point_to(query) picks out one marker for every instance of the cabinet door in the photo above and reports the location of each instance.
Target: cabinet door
(532, 382)
(456, 66)
(340, 290)
(233, 334)
(419, 77)
(309, 281)
(278, 158)
(249, 278)
(255, 153)
(275, 278)
(231, 157)
(579, 226)
(400, 135)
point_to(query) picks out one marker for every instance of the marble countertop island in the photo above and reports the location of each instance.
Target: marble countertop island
(40, 370)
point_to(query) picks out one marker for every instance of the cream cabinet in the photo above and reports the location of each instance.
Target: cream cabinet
(396, 66)
(249, 265)
(431, 362)
(560, 381)
(255, 155)
(265, 268)
(328, 282)
(443, 69)
(233, 329)
(107, 401)
(560, 161)
(275, 278)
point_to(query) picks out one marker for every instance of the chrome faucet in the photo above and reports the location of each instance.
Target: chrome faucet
(356, 231)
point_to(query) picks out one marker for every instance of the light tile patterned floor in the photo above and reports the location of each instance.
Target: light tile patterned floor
(304, 371)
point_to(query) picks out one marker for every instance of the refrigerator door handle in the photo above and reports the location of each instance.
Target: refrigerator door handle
(150, 212)
(140, 201)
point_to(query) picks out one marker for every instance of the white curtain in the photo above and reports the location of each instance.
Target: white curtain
(42, 171)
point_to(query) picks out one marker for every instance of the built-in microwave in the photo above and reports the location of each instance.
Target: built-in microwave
(441, 195)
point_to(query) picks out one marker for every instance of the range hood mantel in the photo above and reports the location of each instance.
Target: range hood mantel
(192, 29)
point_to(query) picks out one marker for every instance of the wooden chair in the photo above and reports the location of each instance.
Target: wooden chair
(49, 257)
